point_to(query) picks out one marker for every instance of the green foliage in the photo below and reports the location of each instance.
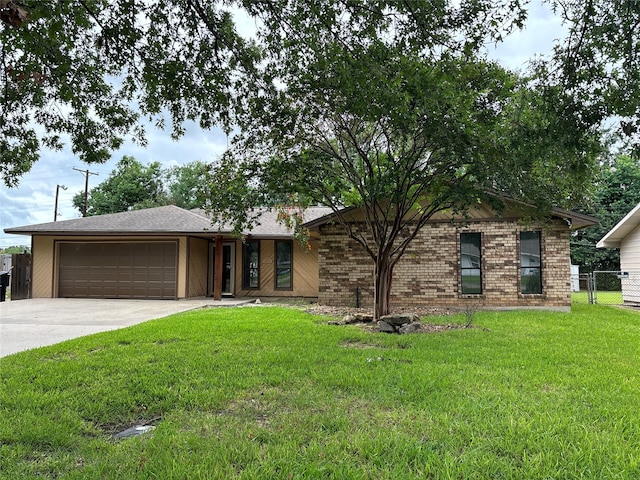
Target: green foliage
(598, 63)
(263, 393)
(16, 249)
(130, 186)
(77, 69)
(184, 184)
(618, 192)
(89, 71)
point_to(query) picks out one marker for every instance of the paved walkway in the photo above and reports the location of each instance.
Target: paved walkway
(26, 324)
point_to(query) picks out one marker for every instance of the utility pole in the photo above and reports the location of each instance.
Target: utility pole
(86, 187)
(55, 209)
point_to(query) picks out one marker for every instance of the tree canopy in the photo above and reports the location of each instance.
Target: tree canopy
(599, 63)
(618, 192)
(183, 184)
(132, 186)
(86, 72)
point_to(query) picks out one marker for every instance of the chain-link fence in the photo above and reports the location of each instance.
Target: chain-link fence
(606, 288)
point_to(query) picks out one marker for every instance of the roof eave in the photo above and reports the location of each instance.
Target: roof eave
(577, 220)
(614, 237)
(111, 233)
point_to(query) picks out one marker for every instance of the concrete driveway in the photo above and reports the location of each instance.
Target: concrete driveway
(26, 324)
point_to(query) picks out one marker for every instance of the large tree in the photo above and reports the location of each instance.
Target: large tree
(365, 93)
(183, 184)
(84, 72)
(617, 193)
(393, 110)
(599, 63)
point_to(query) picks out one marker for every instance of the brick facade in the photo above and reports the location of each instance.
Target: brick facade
(429, 272)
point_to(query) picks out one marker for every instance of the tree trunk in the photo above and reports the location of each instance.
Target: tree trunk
(382, 287)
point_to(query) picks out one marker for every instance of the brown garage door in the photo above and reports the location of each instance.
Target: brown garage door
(117, 270)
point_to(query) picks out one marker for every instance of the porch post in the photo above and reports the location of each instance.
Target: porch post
(217, 274)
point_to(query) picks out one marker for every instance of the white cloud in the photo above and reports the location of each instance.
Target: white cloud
(542, 30)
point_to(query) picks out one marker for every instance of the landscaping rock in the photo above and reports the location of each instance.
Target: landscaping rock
(410, 327)
(364, 317)
(400, 319)
(386, 327)
(349, 319)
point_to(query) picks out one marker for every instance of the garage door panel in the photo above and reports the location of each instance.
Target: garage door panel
(110, 261)
(118, 270)
(157, 277)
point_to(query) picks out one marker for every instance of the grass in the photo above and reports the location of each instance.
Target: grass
(273, 392)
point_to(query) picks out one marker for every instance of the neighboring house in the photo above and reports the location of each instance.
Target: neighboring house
(626, 236)
(481, 260)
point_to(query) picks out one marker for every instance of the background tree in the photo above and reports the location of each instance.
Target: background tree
(130, 186)
(15, 249)
(393, 110)
(618, 192)
(184, 184)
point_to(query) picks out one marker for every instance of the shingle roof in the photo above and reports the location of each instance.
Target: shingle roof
(159, 220)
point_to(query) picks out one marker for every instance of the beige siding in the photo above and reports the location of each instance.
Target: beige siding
(183, 267)
(305, 271)
(193, 266)
(198, 267)
(630, 251)
(429, 272)
(42, 279)
(630, 262)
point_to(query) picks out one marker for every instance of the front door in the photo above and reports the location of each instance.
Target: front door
(228, 268)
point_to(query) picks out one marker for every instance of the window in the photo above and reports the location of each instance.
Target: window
(470, 263)
(251, 264)
(530, 265)
(284, 271)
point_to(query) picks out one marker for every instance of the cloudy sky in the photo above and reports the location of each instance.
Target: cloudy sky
(33, 200)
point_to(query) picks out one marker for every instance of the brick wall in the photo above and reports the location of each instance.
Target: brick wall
(429, 272)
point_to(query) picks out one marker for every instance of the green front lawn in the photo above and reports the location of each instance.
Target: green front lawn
(276, 393)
